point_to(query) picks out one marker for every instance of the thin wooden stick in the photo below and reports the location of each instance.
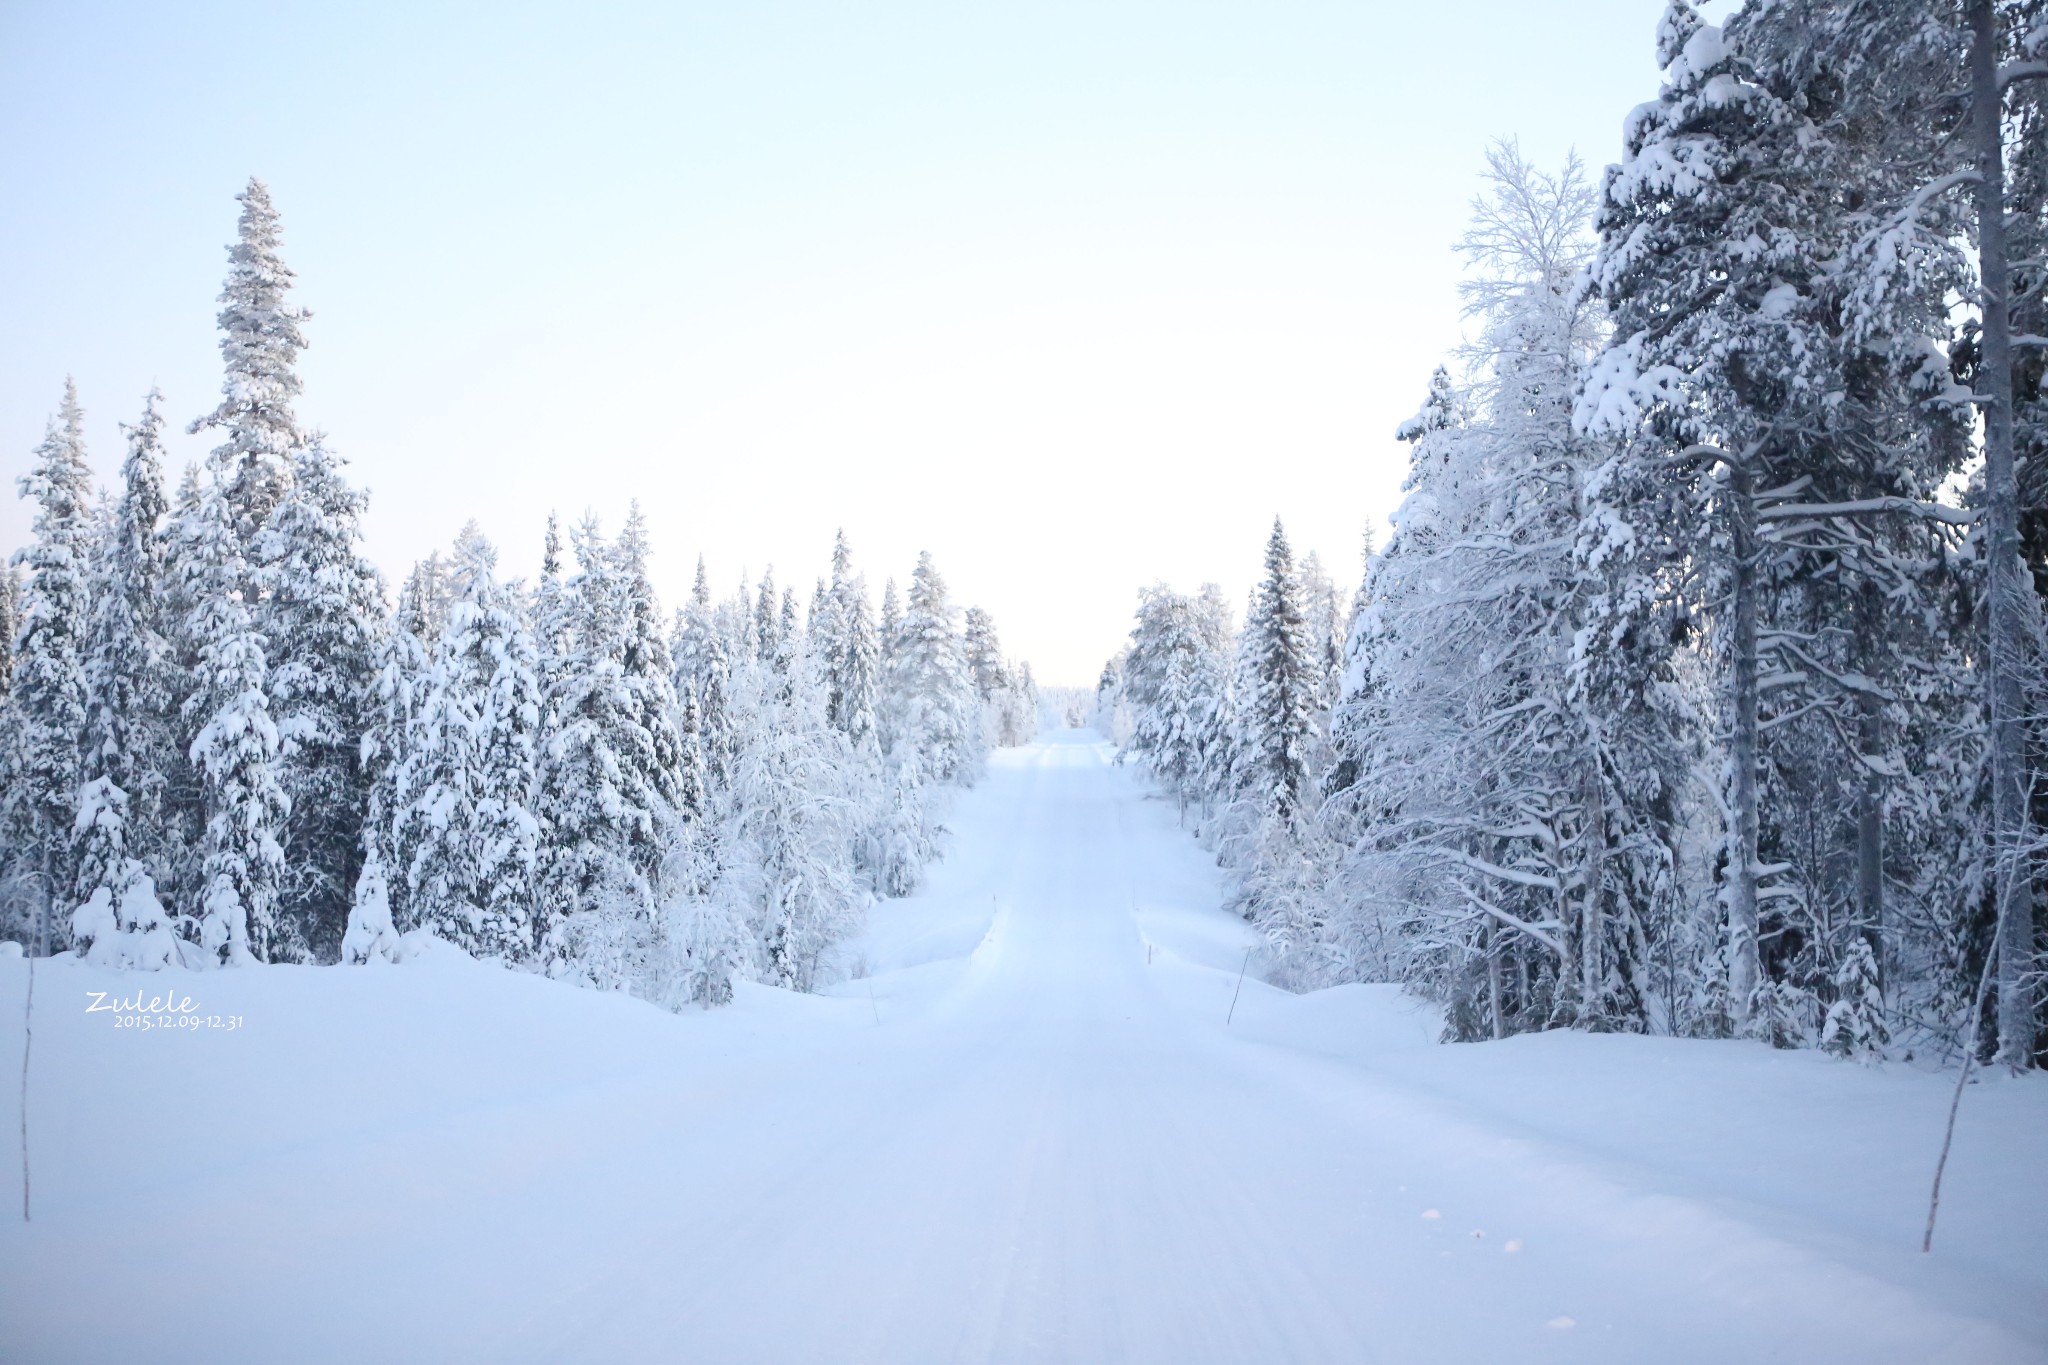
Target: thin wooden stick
(1956, 1101)
(28, 1017)
(1240, 988)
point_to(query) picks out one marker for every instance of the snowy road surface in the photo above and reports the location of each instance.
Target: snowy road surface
(1026, 1135)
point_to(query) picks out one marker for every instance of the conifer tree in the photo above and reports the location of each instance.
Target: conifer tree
(259, 346)
(1163, 681)
(703, 662)
(182, 811)
(390, 770)
(48, 697)
(322, 609)
(888, 641)
(984, 655)
(891, 624)
(848, 646)
(472, 871)
(1769, 378)
(128, 731)
(930, 692)
(648, 671)
(10, 598)
(1325, 626)
(788, 637)
(767, 622)
(235, 747)
(1281, 682)
(608, 773)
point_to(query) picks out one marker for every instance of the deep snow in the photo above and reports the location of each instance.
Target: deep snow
(1022, 1132)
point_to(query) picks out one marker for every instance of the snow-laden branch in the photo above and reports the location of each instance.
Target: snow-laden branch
(1913, 507)
(1548, 940)
(1506, 874)
(2014, 72)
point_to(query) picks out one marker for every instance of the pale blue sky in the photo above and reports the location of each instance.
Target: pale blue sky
(1074, 295)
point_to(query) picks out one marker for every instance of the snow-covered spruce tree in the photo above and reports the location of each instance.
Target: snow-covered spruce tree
(380, 907)
(259, 346)
(984, 655)
(1855, 1023)
(1278, 856)
(182, 811)
(608, 769)
(892, 842)
(703, 658)
(846, 643)
(235, 746)
(928, 688)
(789, 634)
(1351, 714)
(10, 614)
(1008, 697)
(129, 725)
(48, 697)
(469, 825)
(1277, 715)
(1107, 712)
(1217, 732)
(648, 671)
(322, 613)
(1781, 458)
(1166, 683)
(888, 637)
(767, 634)
(1326, 622)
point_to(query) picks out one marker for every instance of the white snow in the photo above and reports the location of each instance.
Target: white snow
(1025, 1134)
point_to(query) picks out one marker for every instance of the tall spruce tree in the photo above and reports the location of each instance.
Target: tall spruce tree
(608, 770)
(397, 692)
(49, 693)
(322, 612)
(129, 724)
(472, 836)
(848, 646)
(235, 746)
(259, 345)
(1282, 678)
(929, 690)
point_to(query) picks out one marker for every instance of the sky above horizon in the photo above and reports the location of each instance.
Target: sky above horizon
(1076, 296)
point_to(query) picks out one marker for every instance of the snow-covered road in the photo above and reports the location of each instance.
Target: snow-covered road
(1025, 1134)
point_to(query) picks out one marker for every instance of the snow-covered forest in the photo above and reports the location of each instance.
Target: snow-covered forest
(1698, 687)
(221, 741)
(1605, 924)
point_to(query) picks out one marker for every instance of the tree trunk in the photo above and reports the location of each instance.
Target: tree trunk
(1744, 964)
(1592, 927)
(1870, 794)
(1493, 981)
(2010, 781)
